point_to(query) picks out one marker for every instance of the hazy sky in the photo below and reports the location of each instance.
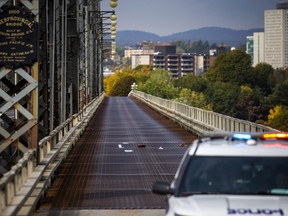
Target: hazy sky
(164, 17)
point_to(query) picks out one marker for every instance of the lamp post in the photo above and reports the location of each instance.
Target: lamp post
(134, 86)
(102, 30)
(113, 3)
(101, 23)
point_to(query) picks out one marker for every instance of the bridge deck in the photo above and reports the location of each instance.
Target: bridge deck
(110, 168)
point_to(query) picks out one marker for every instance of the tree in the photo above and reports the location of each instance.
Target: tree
(234, 67)
(248, 104)
(263, 77)
(123, 86)
(192, 82)
(279, 95)
(142, 73)
(223, 97)
(193, 98)
(277, 118)
(111, 82)
(279, 76)
(198, 47)
(147, 68)
(160, 84)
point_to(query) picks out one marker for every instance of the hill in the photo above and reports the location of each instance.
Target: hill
(211, 34)
(130, 37)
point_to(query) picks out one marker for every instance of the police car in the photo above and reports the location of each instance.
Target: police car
(230, 174)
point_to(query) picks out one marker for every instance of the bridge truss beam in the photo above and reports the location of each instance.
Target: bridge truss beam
(35, 99)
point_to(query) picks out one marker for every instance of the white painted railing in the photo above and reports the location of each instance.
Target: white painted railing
(198, 120)
(23, 186)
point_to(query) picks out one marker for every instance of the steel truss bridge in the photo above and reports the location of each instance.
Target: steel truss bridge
(51, 79)
(51, 63)
(64, 78)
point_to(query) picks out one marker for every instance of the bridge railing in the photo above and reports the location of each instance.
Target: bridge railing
(198, 120)
(23, 186)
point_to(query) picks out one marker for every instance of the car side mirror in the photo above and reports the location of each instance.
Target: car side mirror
(162, 188)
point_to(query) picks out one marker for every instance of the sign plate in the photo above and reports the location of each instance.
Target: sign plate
(18, 38)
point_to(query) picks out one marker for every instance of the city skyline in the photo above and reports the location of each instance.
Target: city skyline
(165, 17)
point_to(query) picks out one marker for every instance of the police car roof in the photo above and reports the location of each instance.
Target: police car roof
(240, 144)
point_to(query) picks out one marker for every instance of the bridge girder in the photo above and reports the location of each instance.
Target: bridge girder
(67, 75)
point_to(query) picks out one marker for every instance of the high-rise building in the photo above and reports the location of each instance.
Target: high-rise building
(250, 47)
(255, 47)
(258, 48)
(276, 36)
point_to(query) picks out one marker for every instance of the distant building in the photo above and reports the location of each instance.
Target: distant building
(223, 48)
(187, 64)
(182, 64)
(165, 57)
(250, 47)
(143, 59)
(202, 63)
(165, 49)
(259, 48)
(159, 61)
(130, 51)
(213, 52)
(255, 47)
(276, 34)
(173, 64)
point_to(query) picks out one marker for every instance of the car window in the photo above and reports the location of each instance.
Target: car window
(235, 175)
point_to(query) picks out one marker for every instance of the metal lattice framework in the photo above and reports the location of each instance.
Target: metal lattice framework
(13, 100)
(35, 99)
(19, 103)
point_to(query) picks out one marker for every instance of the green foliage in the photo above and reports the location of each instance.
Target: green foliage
(233, 67)
(277, 118)
(142, 73)
(279, 95)
(231, 87)
(144, 67)
(192, 82)
(160, 85)
(123, 86)
(223, 98)
(117, 85)
(279, 76)
(263, 77)
(193, 98)
(248, 104)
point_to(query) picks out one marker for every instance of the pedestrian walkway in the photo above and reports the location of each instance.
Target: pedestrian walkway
(124, 149)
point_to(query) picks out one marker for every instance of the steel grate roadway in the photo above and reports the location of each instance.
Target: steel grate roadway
(108, 170)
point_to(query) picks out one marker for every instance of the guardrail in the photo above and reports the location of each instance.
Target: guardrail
(198, 120)
(25, 184)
